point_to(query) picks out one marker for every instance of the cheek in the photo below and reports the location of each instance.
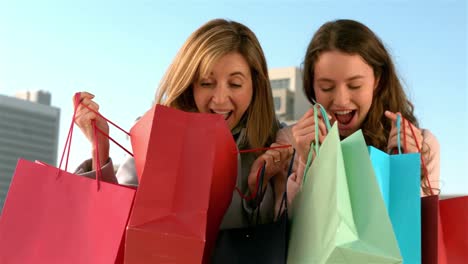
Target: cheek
(367, 98)
(323, 98)
(244, 100)
(365, 102)
(244, 103)
(200, 99)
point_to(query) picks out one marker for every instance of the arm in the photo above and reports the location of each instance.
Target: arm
(107, 171)
(86, 110)
(418, 140)
(293, 184)
(126, 174)
(431, 156)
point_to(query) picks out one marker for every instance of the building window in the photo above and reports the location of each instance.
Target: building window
(277, 103)
(280, 83)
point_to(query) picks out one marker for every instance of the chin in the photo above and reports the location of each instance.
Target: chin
(347, 132)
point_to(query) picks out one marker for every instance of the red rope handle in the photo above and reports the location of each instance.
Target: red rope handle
(263, 149)
(254, 194)
(423, 163)
(114, 124)
(97, 161)
(105, 134)
(248, 198)
(70, 134)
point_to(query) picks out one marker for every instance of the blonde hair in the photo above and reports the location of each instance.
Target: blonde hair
(195, 59)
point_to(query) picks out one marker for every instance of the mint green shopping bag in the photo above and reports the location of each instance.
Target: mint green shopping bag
(339, 215)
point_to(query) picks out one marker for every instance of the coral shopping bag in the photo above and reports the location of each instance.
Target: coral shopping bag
(187, 168)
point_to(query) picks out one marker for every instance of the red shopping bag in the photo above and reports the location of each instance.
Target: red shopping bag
(187, 168)
(52, 216)
(432, 237)
(454, 217)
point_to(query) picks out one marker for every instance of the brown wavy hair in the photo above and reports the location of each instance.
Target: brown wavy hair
(355, 38)
(200, 52)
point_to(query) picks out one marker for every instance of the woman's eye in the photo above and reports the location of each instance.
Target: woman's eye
(354, 87)
(236, 85)
(326, 89)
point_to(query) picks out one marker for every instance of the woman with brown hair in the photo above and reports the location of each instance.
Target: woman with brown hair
(348, 70)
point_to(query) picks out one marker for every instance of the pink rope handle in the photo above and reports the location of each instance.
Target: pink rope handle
(67, 145)
(107, 135)
(263, 149)
(97, 161)
(253, 195)
(114, 124)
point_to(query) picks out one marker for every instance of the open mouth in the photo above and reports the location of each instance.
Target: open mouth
(225, 114)
(344, 117)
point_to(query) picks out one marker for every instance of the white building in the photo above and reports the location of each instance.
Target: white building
(29, 129)
(288, 94)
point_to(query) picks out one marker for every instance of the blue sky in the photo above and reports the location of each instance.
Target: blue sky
(119, 51)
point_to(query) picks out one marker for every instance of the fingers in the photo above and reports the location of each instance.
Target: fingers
(83, 96)
(84, 115)
(412, 141)
(275, 155)
(284, 153)
(86, 112)
(292, 188)
(390, 115)
(307, 123)
(252, 179)
(304, 133)
(275, 161)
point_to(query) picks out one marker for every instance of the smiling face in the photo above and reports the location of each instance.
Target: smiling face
(227, 90)
(344, 84)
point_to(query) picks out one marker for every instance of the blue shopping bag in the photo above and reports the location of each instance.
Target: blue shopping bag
(399, 180)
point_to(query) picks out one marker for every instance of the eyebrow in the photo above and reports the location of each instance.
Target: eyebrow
(355, 77)
(232, 74)
(349, 79)
(237, 73)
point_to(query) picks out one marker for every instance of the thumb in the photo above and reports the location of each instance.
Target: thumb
(253, 175)
(390, 115)
(293, 176)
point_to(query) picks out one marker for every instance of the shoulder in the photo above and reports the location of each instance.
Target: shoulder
(430, 140)
(284, 135)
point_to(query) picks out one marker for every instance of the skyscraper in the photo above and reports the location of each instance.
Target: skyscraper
(29, 128)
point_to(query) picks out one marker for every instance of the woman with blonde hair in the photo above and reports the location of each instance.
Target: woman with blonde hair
(220, 69)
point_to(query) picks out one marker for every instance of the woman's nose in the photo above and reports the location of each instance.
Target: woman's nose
(341, 96)
(220, 94)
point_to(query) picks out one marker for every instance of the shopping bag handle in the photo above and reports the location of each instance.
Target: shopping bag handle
(314, 147)
(405, 122)
(68, 141)
(105, 134)
(67, 146)
(284, 201)
(258, 183)
(260, 171)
